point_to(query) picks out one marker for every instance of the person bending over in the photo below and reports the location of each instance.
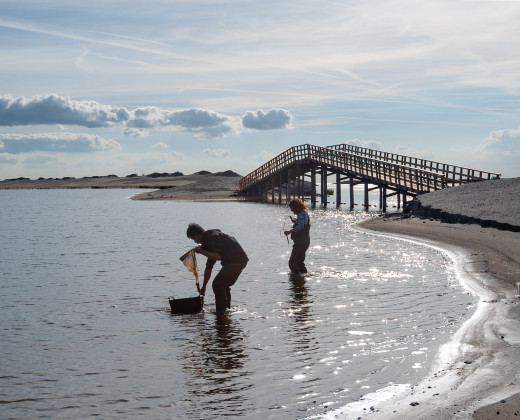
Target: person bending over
(217, 246)
(300, 234)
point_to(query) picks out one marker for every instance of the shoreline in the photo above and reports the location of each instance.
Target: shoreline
(474, 375)
(203, 186)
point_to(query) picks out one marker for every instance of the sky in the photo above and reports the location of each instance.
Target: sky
(109, 87)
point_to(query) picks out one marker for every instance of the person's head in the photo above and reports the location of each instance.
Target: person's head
(297, 205)
(195, 232)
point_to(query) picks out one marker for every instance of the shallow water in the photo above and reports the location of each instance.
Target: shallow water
(86, 328)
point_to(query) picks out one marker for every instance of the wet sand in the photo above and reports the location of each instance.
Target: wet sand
(476, 375)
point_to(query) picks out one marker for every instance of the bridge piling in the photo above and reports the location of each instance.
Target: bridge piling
(324, 185)
(313, 186)
(351, 193)
(338, 190)
(366, 203)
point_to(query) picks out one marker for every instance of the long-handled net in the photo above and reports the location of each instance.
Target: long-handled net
(190, 261)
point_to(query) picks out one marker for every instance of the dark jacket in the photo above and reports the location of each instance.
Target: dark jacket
(226, 246)
(302, 236)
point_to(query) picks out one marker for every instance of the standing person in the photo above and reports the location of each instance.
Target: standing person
(300, 234)
(217, 246)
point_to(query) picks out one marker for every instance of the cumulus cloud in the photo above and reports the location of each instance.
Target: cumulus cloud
(202, 122)
(502, 141)
(56, 142)
(55, 109)
(270, 120)
(217, 153)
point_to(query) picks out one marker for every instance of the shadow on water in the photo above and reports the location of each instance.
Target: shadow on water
(214, 362)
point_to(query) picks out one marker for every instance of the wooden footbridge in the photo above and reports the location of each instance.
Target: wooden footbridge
(294, 173)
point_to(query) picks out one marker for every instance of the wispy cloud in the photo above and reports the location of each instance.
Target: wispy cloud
(218, 153)
(160, 145)
(55, 142)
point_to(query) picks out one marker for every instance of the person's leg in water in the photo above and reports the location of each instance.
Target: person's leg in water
(222, 283)
(296, 261)
(228, 297)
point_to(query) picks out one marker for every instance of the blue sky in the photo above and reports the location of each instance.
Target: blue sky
(122, 87)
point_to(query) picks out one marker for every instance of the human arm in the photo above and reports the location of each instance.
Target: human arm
(215, 256)
(207, 276)
(212, 257)
(301, 221)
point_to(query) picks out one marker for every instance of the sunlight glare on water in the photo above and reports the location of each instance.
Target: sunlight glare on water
(87, 329)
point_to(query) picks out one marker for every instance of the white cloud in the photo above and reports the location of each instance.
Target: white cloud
(203, 122)
(270, 120)
(502, 141)
(8, 160)
(371, 144)
(156, 161)
(160, 145)
(39, 160)
(267, 155)
(218, 153)
(56, 142)
(55, 109)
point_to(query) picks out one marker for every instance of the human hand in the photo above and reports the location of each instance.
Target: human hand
(287, 232)
(198, 249)
(203, 290)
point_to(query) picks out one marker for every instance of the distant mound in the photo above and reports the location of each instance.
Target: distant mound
(164, 174)
(227, 173)
(224, 173)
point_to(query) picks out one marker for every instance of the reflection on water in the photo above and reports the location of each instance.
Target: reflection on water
(215, 362)
(86, 328)
(299, 301)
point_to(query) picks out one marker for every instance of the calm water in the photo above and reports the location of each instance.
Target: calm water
(86, 328)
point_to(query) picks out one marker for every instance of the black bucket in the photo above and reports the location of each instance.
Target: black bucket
(191, 305)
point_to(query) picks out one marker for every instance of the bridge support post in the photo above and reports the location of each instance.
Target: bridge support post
(351, 193)
(384, 199)
(273, 186)
(280, 188)
(313, 186)
(338, 190)
(366, 204)
(301, 182)
(398, 200)
(288, 189)
(324, 185)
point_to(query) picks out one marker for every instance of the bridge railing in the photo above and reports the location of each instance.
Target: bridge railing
(275, 165)
(376, 170)
(454, 175)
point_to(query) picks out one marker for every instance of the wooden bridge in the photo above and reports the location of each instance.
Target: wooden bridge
(393, 174)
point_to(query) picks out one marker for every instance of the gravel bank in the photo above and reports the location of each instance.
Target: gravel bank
(493, 203)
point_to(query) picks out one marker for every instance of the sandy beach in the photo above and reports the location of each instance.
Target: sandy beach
(476, 375)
